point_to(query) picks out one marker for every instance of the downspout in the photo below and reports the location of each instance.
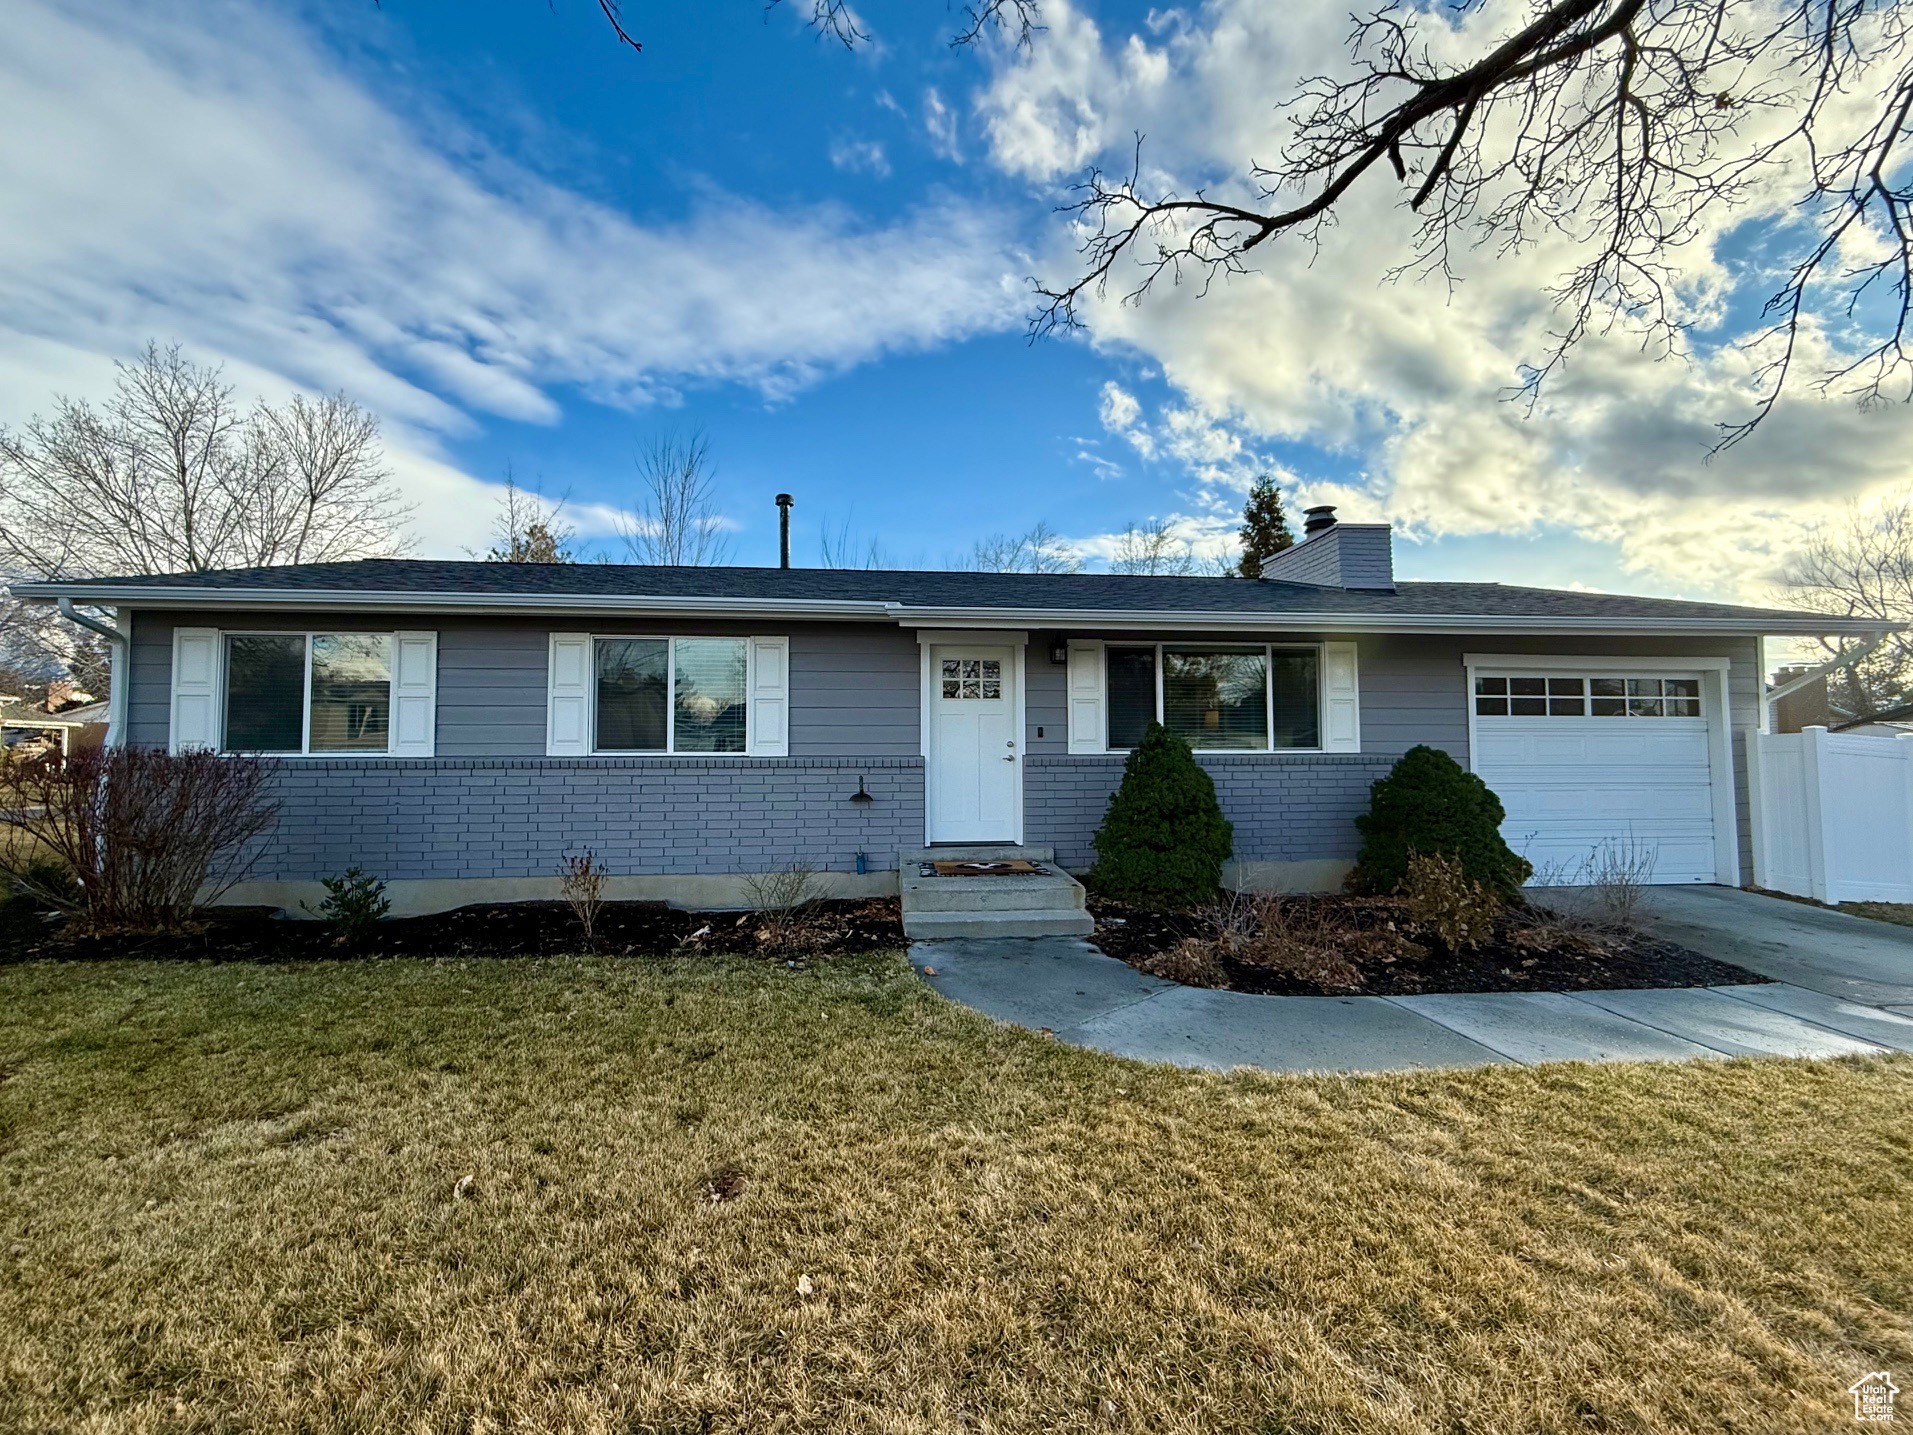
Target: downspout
(1840, 660)
(119, 672)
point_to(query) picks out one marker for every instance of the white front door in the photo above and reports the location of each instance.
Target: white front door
(975, 788)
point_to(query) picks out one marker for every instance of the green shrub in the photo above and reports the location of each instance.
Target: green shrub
(1429, 804)
(353, 903)
(1163, 841)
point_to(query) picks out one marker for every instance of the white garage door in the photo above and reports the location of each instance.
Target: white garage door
(1599, 763)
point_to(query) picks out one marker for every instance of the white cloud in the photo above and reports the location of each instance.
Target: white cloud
(859, 155)
(1403, 381)
(941, 123)
(217, 179)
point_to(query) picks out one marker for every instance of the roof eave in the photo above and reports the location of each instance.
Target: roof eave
(870, 610)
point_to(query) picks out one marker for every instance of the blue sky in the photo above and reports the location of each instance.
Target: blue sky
(530, 250)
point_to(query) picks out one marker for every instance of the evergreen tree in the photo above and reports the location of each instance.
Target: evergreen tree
(1164, 839)
(1430, 805)
(1265, 532)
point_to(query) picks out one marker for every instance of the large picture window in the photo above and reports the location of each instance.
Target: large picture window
(1216, 697)
(308, 693)
(671, 695)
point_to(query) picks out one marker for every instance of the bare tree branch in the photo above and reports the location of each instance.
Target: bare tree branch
(1626, 126)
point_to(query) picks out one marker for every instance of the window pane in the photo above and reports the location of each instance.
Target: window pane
(265, 692)
(1607, 687)
(351, 692)
(1683, 707)
(1566, 707)
(1216, 698)
(1608, 707)
(1298, 706)
(1528, 687)
(1491, 707)
(1491, 686)
(710, 695)
(1132, 694)
(1564, 687)
(631, 688)
(1529, 707)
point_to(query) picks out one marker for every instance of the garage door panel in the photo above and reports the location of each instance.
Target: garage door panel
(1572, 785)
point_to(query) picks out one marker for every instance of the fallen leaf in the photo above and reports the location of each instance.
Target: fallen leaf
(929, 971)
(464, 1187)
(1047, 1032)
(804, 1286)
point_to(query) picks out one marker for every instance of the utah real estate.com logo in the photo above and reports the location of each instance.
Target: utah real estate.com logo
(1873, 1396)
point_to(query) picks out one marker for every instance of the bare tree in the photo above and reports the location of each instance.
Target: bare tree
(1152, 550)
(678, 522)
(1862, 566)
(528, 529)
(1040, 550)
(171, 475)
(839, 547)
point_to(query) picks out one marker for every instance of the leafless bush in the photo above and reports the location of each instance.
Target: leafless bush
(1282, 934)
(581, 883)
(1192, 962)
(147, 834)
(779, 899)
(1442, 897)
(1615, 879)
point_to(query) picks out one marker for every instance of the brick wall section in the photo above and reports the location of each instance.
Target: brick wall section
(1285, 808)
(518, 817)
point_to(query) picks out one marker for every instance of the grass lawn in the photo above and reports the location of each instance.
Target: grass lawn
(227, 1202)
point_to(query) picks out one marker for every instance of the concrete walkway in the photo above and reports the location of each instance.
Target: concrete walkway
(1839, 996)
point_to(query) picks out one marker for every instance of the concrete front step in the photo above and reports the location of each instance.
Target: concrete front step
(985, 894)
(1049, 904)
(1039, 922)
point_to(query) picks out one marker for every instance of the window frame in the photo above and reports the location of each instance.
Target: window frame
(1268, 651)
(670, 641)
(306, 636)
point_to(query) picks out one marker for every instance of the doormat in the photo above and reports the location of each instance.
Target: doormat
(1015, 867)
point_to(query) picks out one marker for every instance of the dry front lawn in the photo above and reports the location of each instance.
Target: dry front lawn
(719, 1195)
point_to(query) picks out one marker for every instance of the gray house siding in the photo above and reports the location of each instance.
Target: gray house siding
(1302, 807)
(491, 804)
(438, 819)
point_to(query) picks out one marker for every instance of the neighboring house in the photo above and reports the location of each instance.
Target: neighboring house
(74, 727)
(458, 727)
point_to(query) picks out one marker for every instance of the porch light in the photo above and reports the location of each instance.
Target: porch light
(1059, 651)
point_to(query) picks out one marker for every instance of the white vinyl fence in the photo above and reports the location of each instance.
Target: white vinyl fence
(1835, 816)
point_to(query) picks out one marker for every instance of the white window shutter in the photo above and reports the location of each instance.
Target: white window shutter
(1341, 699)
(195, 721)
(1087, 732)
(568, 696)
(768, 713)
(414, 694)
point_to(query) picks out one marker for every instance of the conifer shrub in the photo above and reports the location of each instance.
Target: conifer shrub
(1429, 805)
(1164, 839)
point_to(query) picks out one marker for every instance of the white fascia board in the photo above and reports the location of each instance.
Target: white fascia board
(1121, 620)
(1131, 620)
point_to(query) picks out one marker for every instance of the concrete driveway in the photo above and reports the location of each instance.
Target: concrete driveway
(1825, 951)
(1843, 987)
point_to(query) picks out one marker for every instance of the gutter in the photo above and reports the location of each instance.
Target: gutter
(116, 648)
(906, 615)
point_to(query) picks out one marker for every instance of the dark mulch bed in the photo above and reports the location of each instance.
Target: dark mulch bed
(505, 929)
(1388, 957)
